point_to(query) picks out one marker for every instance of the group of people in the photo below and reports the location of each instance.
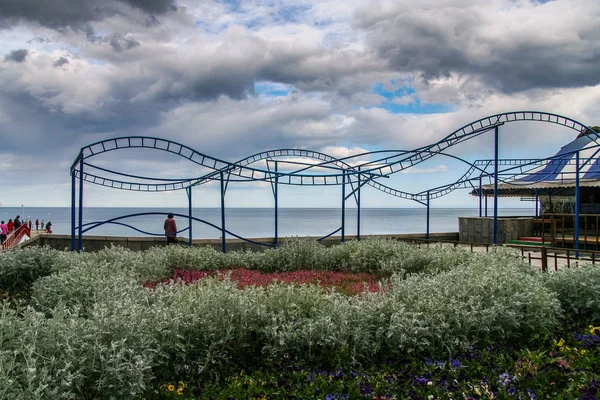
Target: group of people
(170, 227)
(6, 229)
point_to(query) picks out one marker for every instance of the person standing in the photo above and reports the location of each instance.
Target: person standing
(42, 225)
(3, 232)
(170, 229)
(11, 225)
(49, 227)
(37, 224)
(17, 222)
(29, 224)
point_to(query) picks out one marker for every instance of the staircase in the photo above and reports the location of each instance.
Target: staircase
(16, 236)
(530, 241)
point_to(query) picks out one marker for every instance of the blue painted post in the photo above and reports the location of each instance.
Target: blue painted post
(73, 199)
(480, 196)
(486, 207)
(358, 207)
(343, 205)
(80, 202)
(276, 205)
(495, 185)
(223, 242)
(577, 204)
(189, 193)
(427, 232)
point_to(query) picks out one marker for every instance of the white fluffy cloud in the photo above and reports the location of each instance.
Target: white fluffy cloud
(191, 71)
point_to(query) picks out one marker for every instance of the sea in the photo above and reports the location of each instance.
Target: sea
(257, 222)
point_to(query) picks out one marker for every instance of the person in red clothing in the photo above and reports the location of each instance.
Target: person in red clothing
(10, 225)
(3, 232)
(170, 229)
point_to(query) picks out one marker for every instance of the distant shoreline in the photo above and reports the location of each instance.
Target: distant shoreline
(270, 208)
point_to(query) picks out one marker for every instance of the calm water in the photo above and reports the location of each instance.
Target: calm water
(259, 222)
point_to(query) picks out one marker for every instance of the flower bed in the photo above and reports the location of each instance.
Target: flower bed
(343, 282)
(550, 369)
(81, 325)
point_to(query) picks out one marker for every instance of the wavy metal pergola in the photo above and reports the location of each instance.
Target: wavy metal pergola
(319, 170)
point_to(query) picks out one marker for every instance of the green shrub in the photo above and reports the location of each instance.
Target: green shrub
(577, 289)
(20, 268)
(93, 331)
(491, 298)
(68, 357)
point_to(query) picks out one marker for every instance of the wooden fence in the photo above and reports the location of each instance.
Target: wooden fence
(559, 230)
(549, 257)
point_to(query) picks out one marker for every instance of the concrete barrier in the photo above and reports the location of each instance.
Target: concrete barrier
(96, 243)
(481, 229)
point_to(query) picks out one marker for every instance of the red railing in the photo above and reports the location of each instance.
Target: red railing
(14, 238)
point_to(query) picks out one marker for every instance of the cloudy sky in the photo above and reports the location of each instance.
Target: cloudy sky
(233, 78)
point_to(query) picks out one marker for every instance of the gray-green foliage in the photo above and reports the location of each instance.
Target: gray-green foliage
(490, 298)
(371, 255)
(577, 289)
(93, 331)
(20, 268)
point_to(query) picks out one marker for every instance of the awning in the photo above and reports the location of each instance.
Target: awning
(557, 175)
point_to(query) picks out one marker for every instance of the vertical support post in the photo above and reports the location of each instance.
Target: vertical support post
(480, 196)
(189, 193)
(486, 207)
(275, 194)
(343, 205)
(537, 201)
(80, 246)
(577, 203)
(358, 206)
(495, 185)
(73, 199)
(427, 230)
(544, 257)
(223, 242)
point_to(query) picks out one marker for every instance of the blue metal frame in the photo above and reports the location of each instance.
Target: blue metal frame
(338, 171)
(577, 204)
(496, 185)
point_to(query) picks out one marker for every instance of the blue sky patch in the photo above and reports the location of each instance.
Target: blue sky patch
(403, 91)
(414, 106)
(271, 89)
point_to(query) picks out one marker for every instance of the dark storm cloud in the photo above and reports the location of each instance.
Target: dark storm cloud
(60, 62)
(471, 40)
(120, 43)
(74, 13)
(153, 6)
(17, 55)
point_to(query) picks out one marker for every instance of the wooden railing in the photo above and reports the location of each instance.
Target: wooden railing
(14, 238)
(550, 258)
(559, 230)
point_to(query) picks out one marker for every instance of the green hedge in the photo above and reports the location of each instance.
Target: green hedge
(91, 330)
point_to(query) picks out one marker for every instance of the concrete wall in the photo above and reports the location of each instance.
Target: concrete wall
(481, 229)
(95, 243)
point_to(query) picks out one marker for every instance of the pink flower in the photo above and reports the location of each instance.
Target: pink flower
(344, 282)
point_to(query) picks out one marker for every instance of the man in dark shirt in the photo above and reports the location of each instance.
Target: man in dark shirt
(170, 229)
(17, 222)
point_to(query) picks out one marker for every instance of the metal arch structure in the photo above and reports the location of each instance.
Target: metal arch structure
(326, 171)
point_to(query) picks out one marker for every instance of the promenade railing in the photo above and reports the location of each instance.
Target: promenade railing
(15, 237)
(550, 258)
(559, 230)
